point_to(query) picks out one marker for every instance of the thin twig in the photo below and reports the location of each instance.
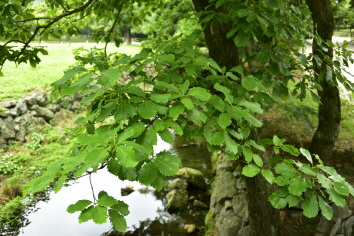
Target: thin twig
(93, 192)
(112, 28)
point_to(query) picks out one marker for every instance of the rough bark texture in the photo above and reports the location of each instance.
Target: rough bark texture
(223, 50)
(264, 219)
(329, 110)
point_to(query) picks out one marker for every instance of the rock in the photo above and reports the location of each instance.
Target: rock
(53, 107)
(43, 112)
(192, 176)
(240, 206)
(41, 99)
(7, 104)
(240, 183)
(225, 188)
(291, 230)
(225, 167)
(323, 225)
(127, 190)
(228, 204)
(177, 199)
(4, 112)
(75, 106)
(21, 107)
(21, 133)
(3, 143)
(341, 213)
(245, 231)
(200, 204)
(7, 131)
(228, 223)
(177, 184)
(349, 226)
(190, 228)
(30, 101)
(336, 227)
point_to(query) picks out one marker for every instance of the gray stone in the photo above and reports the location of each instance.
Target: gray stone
(241, 183)
(7, 131)
(177, 199)
(14, 112)
(30, 101)
(177, 184)
(240, 205)
(41, 99)
(228, 204)
(21, 133)
(245, 231)
(349, 226)
(3, 143)
(193, 177)
(228, 223)
(225, 187)
(323, 225)
(9, 119)
(224, 167)
(54, 107)
(43, 112)
(200, 204)
(7, 104)
(21, 107)
(341, 213)
(127, 190)
(336, 227)
(75, 106)
(4, 112)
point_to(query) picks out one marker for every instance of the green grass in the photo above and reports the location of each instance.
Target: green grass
(19, 80)
(342, 33)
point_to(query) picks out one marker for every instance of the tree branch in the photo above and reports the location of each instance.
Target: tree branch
(112, 28)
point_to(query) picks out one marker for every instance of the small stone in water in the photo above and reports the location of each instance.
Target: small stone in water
(190, 228)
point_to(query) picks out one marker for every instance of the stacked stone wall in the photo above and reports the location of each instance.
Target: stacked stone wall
(18, 115)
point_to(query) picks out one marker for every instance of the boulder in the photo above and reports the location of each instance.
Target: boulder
(177, 184)
(177, 199)
(225, 188)
(193, 177)
(7, 130)
(190, 228)
(42, 112)
(200, 204)
(127, 190)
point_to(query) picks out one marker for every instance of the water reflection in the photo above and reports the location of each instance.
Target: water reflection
(148, 215)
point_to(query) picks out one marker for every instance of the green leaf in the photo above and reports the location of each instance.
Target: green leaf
(113, 166)
(258, 160)
(268, 175)
(272, 3)
(86, 214)
(247, 152)
(224, 120)
(310, 205)
(303, 59)
(147, 110)
(166, 57)
(341, 188)
(326, 209)
(78, 206)
(176, 110)
(335, 197)
(277, 201)
(109, 77)
(147, 173)
(253, 121)
(231, 144)
(199, 93)
(284, 169)
(160, 98)
(290, 149)
(68, 75)
(219, 3)
(237, 69)
(167, 163)
(126, 156)
(241, 39)
(250, 170)
(99, 215)
(307, 154)
(122, 208)
(292, 200)
(243, 12)
(59, 183)
(297, 186)
(324, 181)
(159, 182)
(198, 116)
(166, 136)
(105, 200)
(277, 141)
(117, 220)
(184, 87)
(218, 138)
(255, 107)
(187, 102)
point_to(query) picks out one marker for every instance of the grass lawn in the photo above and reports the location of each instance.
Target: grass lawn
(18, 80)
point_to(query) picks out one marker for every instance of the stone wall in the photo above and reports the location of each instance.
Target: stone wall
(16, 116)
(228, 214)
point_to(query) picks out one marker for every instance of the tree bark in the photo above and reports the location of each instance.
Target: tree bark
(329, 110)
(263, 218)
(128, 35)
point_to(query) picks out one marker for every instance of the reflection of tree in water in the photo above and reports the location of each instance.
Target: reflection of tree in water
(11, 225)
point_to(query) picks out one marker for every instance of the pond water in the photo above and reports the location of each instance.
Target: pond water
(148, 214)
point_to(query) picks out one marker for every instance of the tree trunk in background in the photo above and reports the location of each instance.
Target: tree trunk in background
(264, 219)
(128, 35)
(329, 111)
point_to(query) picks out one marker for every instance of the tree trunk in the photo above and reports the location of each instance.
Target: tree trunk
(128, 35)
(329, 110)
(263, 218)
